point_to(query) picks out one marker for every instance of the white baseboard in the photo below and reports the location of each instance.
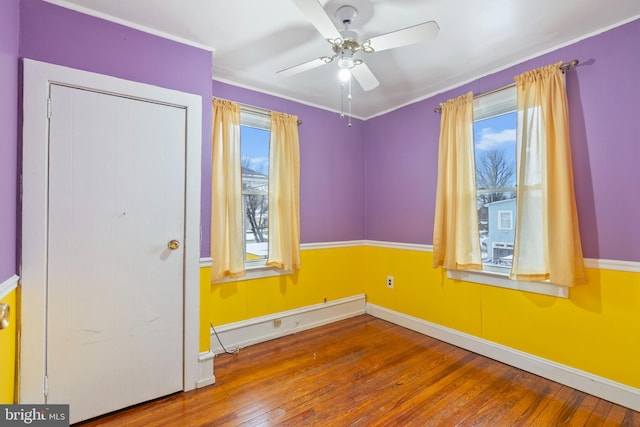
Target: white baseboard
(242, 334)
(604, 388)
(205, 369)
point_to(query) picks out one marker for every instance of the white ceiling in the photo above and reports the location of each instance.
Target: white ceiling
(253, 39)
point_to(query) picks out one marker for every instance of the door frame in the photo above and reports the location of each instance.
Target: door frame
(37, 77)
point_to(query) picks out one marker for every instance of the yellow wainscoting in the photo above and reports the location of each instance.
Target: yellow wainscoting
(420, 290)
(595, 330)
(205, 309)
(330, 273)
(8, 352)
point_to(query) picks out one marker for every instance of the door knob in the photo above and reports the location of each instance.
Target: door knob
(5, 310)
(173, 245)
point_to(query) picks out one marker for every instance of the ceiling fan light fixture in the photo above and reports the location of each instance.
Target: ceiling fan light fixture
(345, 61)
(344, 74)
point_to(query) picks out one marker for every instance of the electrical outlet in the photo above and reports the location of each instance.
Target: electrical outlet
(277, 323)
(390, 282)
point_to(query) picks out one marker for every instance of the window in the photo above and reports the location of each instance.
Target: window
(255, 160)
(503, 253)
(495, 155)
(254, 151)
(548, 247)
(495, 151)
(505, 221)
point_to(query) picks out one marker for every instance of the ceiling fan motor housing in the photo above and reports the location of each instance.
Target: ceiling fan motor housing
(349, 39)
(346, 14)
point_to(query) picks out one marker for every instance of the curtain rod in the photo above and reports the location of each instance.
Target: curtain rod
(253, 108)
(564, 67)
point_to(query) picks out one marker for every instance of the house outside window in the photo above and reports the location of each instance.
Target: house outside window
(501, 232)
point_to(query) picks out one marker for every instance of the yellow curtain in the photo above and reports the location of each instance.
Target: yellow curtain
(456, 241)
(227, 245)
(547, 240)
(284, 192)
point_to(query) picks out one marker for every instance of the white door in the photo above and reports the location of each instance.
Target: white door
(114, 287)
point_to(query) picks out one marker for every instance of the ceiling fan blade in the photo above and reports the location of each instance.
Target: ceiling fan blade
(314, 12)
(410, 35)
(365, 77)
(302, 67)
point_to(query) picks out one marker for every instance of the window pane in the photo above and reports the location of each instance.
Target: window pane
(504, 220)
(495, 150)
(255, 191)
(495, 156)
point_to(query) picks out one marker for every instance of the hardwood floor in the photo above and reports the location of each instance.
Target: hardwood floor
(364, 371)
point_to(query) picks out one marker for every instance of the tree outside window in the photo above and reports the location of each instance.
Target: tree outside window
(495, 152)
(254, 149)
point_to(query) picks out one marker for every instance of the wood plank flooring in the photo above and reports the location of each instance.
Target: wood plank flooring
(364, 371)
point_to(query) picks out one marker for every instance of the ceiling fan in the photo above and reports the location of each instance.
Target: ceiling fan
(345, 43)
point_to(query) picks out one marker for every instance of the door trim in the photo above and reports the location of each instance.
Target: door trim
(37, 78)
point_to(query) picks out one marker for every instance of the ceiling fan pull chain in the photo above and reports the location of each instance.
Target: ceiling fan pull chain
(342, 101)
(349, 100)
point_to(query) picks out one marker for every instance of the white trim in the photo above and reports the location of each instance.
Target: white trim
(8, 285)
(611, 264)
(124, 22)
(37, 79)
(604, 388)
(237, 335)
(206, 262)
(332, 245)
(205, 369)
(502, 281)
(404, 246)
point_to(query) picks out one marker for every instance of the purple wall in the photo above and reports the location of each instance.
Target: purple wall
(8, 136)
(331, 167)
(61, 36)
(401, 171)
(377, 179)
(603, 91)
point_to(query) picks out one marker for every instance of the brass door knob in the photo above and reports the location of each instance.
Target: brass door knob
(173, 245)
(5, 311)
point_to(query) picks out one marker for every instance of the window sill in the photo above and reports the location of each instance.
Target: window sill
(256, 270)
(502, 280)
